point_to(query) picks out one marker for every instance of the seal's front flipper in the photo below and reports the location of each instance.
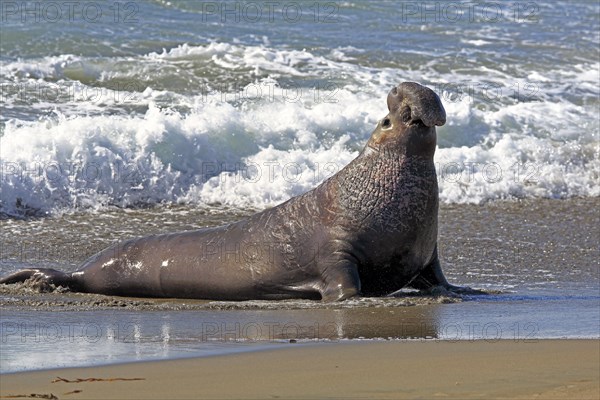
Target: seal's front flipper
(432, 280)
(41, 278)
(341, 281)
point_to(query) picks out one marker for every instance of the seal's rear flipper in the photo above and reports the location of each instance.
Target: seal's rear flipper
(41, 277)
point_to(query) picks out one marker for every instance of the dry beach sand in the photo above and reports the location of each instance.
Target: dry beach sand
(540, 369)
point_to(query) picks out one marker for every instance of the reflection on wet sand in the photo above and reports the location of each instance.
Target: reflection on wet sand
(95, 329)
(323, 324)
(45, 339)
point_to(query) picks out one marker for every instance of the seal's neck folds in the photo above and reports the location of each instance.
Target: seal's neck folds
(380, 182)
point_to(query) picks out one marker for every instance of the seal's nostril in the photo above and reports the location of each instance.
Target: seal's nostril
(386, 123)
(395, 91)
(406, 114)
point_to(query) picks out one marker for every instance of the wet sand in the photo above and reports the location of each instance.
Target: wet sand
(539, 369)
(529, 245)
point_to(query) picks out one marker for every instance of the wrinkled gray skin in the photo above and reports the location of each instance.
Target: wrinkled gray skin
(369, 230)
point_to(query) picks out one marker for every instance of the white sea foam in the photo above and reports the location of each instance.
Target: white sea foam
(259, 150)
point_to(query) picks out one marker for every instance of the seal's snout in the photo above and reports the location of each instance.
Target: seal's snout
(416, 103)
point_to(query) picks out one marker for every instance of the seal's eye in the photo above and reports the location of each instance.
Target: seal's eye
(406, 117)
(386, 123)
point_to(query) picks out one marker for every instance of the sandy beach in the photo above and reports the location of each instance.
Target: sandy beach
(540, 369)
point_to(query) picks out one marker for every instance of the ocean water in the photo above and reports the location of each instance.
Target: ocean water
(120, 119)
(246, 104)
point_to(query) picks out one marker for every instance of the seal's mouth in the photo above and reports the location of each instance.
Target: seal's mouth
(418, 124)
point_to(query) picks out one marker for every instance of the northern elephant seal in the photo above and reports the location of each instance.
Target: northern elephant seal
(371, 229)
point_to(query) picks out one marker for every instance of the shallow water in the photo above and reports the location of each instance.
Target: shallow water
(49, 339)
